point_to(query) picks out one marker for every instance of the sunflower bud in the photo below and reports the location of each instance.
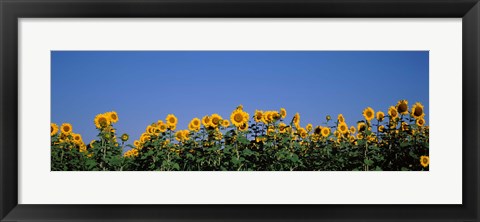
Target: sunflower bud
(124, 137)
(328, 117)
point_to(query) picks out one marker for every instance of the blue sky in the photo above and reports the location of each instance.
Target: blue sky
(145, 86)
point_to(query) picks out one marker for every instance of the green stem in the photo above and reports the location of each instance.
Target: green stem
(366, 148)
(104, 148)
(61, 157)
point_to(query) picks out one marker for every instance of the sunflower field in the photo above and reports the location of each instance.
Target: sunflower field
(397, 140)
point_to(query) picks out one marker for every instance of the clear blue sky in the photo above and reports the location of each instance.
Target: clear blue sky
(145, 86)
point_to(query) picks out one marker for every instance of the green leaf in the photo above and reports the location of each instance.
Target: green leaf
(294, 158)
(247, 152)
(176, 166)
(368, 162)
(412, 154)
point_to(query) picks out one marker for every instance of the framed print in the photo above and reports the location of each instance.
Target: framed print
(278, 110)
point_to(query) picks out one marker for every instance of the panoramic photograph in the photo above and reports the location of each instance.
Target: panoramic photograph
(239, 111)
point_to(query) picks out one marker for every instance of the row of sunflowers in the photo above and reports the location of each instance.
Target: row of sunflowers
(269, 141)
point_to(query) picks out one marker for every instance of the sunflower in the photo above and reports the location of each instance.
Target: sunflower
(368, 113)
(352, 130)
(136, 143)
(195, 122)
(268, 116)
(215, 120)
(77, 138)
(127, 154)
(302, 132)
(337, 134)
(270, 131)
(325, 131)
(186, 134)
(275, 115)
(162, 127)
(372, 138)
(258, 116)
(172, 127)
(283, 113)
(328, 118)
(424, 161)
(318, 130)
(144, 137)
(392, 112)
(282, 128)
(166, 142)
(225, 123)
(420, 122)
(343, 127)
(150, 129)
(351, 139)
(380, 116)
(206, 121)
(135, 152)
(156, 131)
(381, 128)
(360, 136)
(340, 118)
(191, 127)
(101, 121)
(239, 118)
(179, 135)
(260, 139)
(361, 126)
(338, 140)
(309, 127)
(296, 120)
(243, 127)
(402, 107)
(53, 129)
(404, 126)
(392, 125)
(112, 116)
(417, 110)
(171, 121)
(66, 128)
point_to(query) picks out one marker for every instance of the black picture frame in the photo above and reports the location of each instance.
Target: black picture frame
(12, 10)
